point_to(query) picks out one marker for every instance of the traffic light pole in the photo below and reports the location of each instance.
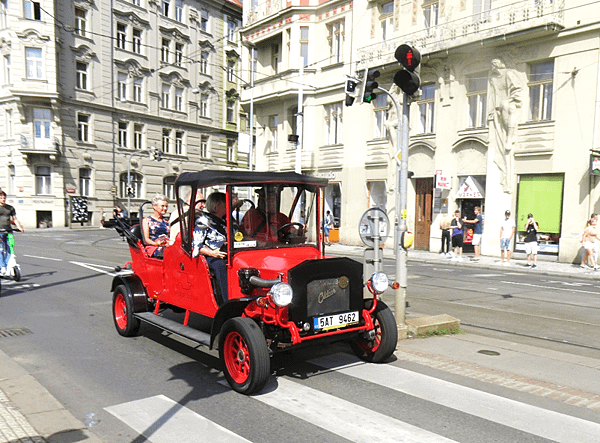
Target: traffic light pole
(401, 204)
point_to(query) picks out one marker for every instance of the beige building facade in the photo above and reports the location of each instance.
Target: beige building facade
(94, 90)
(507, 117)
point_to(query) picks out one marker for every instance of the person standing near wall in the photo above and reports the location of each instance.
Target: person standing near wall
(457, 236)
(531, 244)
(446, 237)
(477, 231)
(507, 232)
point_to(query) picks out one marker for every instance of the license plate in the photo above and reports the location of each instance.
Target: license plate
(335, 321)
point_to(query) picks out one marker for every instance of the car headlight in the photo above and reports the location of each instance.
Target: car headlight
(282, 294)
(379, 282)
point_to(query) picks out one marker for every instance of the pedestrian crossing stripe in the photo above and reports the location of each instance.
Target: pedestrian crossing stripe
(527, 418)
(162, 420)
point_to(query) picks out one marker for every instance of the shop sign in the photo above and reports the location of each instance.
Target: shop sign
(595, 164)
(469, 189)
(71, 190)
(442, 181)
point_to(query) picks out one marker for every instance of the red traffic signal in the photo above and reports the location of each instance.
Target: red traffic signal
(408, 57)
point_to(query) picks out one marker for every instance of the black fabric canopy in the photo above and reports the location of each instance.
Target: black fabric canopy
(207, 178)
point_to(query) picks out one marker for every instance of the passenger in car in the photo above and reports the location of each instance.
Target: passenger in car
(174, 221)
(263, 221)
(155, 228)
(210, 235)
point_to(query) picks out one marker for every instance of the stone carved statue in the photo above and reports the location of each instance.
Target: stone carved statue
(504, 101)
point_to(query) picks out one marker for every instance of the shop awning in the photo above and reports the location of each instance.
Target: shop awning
(470, 188)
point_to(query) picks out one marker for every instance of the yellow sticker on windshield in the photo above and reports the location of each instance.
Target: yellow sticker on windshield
(238, 236)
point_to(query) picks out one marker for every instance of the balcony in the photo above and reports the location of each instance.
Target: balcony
(265, 9)
(43, 146)
(531, 17)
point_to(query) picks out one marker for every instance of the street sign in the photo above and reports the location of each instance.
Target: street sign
(367, 227)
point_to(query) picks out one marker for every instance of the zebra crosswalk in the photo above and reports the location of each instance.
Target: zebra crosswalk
(162, 420)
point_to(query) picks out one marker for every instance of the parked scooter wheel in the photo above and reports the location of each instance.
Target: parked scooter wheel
(16, 273)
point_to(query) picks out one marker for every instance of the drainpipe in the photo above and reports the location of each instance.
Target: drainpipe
(595, 131)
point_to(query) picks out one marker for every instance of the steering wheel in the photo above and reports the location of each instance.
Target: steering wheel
(287, 236)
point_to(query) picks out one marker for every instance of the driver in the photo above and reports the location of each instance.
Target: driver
(263, 221)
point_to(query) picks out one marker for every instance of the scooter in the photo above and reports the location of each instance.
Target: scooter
(9, 268)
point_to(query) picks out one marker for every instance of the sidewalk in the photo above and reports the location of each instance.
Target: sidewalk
(30, 414)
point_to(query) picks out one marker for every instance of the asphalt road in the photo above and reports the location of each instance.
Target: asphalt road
(68, 342)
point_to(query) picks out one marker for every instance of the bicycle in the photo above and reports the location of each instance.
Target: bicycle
(9, 268)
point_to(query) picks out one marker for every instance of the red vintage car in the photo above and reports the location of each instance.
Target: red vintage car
(282, 291)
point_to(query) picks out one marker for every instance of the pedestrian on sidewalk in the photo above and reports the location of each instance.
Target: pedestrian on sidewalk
(588, 238)
(531, 244)
(477, 231)
(507, 232)
(457, 236)
(446, 237)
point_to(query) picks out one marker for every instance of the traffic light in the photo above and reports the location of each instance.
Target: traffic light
(129, 191)
(350, 90)
(156, 154)
(406, 78)
(369, 85)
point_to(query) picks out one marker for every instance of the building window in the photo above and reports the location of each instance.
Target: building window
(122, 86)
(169, 187)
(164, 53)
(335, 38)
(80, 21)
(204, 62)
(165, 7)
(137, 90)
(138, 136)
(204, 146)
(179, 10)
(42, 119)
(303, 46)
(166, 95)
(32, 10)
(43, 180)
(380, 108)
(477, 100)
(204, 105)
(3, 14)
(135, 181)
(83, 128)
(179, 143)
(121, 35)
(426, 108)
(386, 17)
(137, 2)
(166, 140)
(231, 71)
(541, 76)
(8, 124)
(178, 54)
(204, 20)
(230, 111)
(231, 150)
(231, 30)
(82, 75)
(34, 63)
(123, 134)
(272, 145)
(12, 188)
(136, 43)
(7, 69)
(179, 99)
(85, 182)
(275, 57)
(333, 123)
(430, 14)
(482, 10)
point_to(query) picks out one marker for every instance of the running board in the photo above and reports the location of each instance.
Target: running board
(174, 327)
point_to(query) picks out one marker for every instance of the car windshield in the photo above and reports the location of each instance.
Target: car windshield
(273, 216)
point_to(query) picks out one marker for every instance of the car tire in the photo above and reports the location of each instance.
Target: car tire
(127, 325)
(244, 355)
(386, 335)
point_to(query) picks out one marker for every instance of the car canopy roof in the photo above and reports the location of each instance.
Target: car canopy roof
(206, 178)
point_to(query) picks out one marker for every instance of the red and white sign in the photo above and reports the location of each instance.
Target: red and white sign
(442, 181)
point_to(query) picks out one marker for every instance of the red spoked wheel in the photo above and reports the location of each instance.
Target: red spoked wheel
(244, 355)
(127, 325)
(383, 343)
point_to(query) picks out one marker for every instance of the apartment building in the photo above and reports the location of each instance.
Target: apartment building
(507, 117)
(93, 90)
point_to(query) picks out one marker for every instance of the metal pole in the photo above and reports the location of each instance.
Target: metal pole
(251, 147)
(128, 185)
(401, 227)
(299, 118)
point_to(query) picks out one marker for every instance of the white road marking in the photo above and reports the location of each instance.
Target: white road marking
(550, 287)
(348, 420)
(94, 267)
(532, 419)
(162, 420)
(43, 258)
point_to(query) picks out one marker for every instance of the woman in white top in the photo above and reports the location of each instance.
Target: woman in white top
(588, 238)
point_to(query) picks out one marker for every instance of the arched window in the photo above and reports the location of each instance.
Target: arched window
(169, 187)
